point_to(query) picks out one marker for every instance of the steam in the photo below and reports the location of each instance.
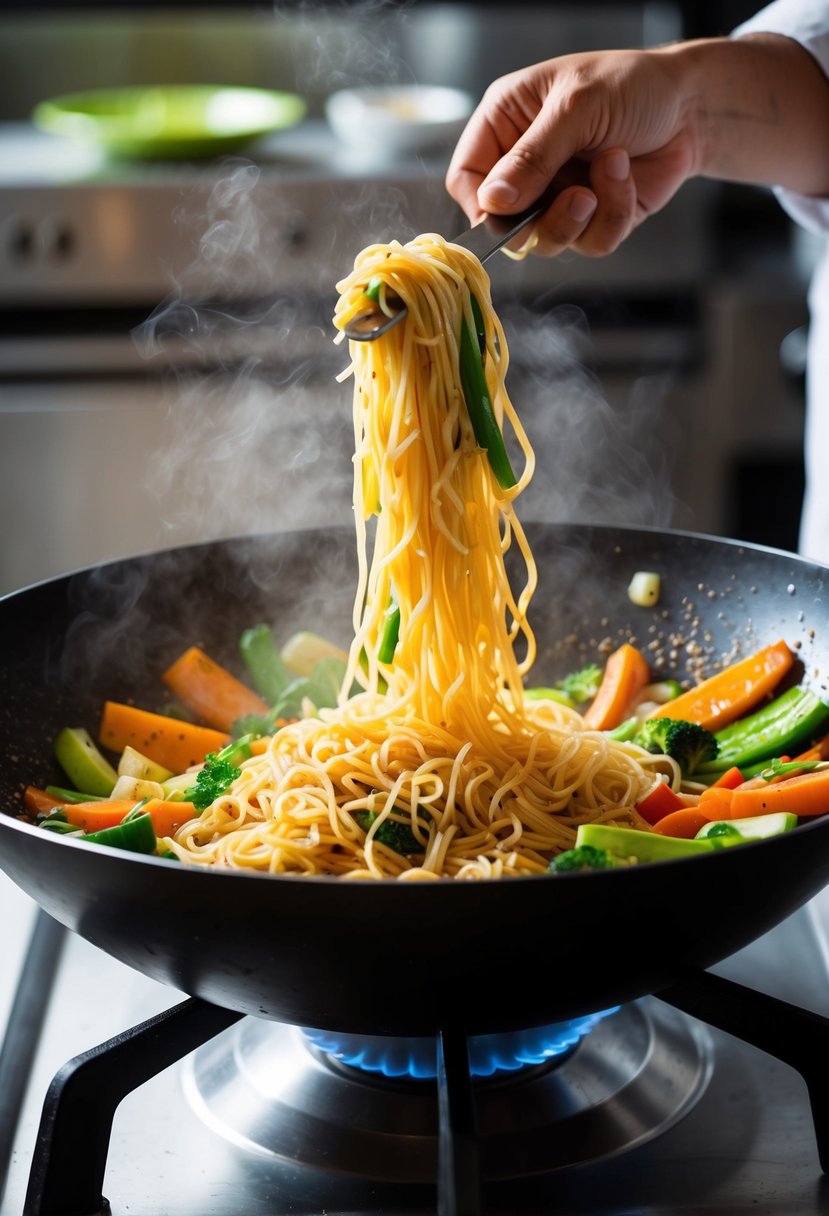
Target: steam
(596, 461)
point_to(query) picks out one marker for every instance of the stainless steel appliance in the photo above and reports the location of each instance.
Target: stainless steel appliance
(655, 1112)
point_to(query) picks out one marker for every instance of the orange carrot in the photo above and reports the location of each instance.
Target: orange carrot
(168, 817)
(715, 802)
(93, 816)
(661, 801)
(38, 802)
(626, 673)
(211, 692)
(169, 741)
(685, 823)
(729, 780)
(807, 794)
(732, 692)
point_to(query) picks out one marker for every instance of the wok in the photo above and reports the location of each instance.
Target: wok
(386, 958)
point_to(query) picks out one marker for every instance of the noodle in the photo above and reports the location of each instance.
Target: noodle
(438, 737)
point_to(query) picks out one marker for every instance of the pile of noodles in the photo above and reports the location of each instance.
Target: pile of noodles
(441, 737)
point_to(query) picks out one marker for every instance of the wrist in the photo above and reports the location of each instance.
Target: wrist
(756, 109)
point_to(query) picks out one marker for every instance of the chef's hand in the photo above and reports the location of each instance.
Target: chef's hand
(611, 121)
(622, 130)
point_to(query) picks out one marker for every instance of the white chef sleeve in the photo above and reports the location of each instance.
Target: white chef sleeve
(807, 22)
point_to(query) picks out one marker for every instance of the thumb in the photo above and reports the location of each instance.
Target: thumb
(519, 178)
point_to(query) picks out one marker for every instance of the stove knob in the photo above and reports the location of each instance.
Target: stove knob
(56, 239)
(17, 238)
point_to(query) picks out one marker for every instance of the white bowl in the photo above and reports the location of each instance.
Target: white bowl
(398, 119)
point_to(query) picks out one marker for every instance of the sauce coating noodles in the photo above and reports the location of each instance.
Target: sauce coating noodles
(439, 737)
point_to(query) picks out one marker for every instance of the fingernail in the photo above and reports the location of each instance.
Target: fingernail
(617, 165)
(498, 192)
(581, 207)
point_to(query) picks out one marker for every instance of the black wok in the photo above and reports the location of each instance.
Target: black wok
(383, 957)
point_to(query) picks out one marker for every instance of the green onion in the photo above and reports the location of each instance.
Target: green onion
(479, 404)
(391, 631)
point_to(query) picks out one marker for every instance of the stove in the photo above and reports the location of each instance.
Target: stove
(663, 1106)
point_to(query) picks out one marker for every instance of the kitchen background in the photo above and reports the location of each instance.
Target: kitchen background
(167, 374)
(167, 370)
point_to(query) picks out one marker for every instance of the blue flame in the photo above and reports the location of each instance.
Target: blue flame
(489, 1054)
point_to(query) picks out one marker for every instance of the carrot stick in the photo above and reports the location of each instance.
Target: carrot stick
(93, 816)
(729, 780)
(39, 802)
(626, 673)
(732, 692)
(715, 802)
(211, 692)
(169, 741)
(168, 817)
(685, 823)
(807, 794)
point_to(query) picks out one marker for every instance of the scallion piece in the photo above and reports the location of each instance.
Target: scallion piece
(391, 631)
(479, 405)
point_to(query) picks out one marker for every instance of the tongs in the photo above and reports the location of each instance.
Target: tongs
(483, 239)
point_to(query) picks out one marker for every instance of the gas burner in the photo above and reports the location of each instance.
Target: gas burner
(266, 1087)
(489, 1054)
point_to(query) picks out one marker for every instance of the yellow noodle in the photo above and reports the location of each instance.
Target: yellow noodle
(441, 738)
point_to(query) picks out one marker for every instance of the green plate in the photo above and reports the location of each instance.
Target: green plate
(171, 121)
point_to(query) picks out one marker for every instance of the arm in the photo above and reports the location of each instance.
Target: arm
(622, 130)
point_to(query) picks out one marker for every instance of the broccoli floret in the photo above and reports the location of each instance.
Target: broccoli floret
(393, 834)
(581, 686)
(218, 773)
(583, 857)
(212, 781)
(686, 742)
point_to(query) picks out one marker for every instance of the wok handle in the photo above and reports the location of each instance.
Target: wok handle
(798, 1037)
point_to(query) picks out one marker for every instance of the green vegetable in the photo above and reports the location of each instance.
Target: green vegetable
(391, 631)
(690, 744)
(218, 773)
(778, 728)
(548, 694)
(56, 823)
(373, 288)
(391, 832)
(758, 827)
(480, 324)
(779, 768)
(626, 844)
(582, 685)
(83, 763)
(584, 857)
(135, 834)
(64, 795)
(253, 725)
(321, 688)
(266, 668)
(624, 732)
(480, 409)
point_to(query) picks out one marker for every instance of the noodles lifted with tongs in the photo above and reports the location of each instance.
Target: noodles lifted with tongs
(437, 767)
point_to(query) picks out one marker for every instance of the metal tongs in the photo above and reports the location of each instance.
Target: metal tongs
(484, 239)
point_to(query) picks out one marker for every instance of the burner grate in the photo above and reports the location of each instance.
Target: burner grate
(79, 1108)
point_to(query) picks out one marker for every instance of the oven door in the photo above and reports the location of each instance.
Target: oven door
(103, 456)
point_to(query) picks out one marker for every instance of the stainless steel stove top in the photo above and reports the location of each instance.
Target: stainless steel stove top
(742, 1139)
